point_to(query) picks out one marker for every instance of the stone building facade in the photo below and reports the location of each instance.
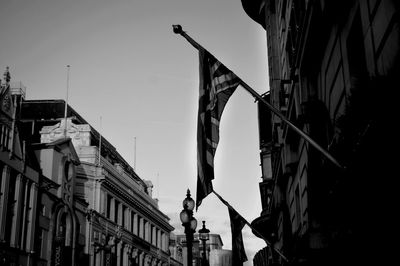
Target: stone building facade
(66, 195)
(60, 228)
(123, 224)
(333, 71)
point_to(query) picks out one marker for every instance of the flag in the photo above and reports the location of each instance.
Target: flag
(237, 224)
(217, 84)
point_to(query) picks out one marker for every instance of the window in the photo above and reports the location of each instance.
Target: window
(4, 136)
(108, 214)
(123, 216)
(116, 210)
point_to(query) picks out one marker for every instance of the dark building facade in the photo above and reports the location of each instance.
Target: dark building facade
(333, 71)
(19, 182)
(39, 216)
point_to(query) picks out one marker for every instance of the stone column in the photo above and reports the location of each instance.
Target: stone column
(147, 231)
(135, 224)
(128, 219)
(164, 241)
(120, 211)
(98, 196)
(127, 255)
(120, 252)
(98, 258)
(112, 209)
(141, 259)
(141, 228)
(154, 236)
(103, 201)
(5, 183)
(159, 239)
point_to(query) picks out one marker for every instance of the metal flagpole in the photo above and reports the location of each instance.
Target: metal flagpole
(66, 104)
(134, 155)
(252, 228)
(100, 141)
(178, 30)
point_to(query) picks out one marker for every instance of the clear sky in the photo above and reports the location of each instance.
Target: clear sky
(128, 67)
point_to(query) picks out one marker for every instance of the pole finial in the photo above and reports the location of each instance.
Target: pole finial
(177, 29)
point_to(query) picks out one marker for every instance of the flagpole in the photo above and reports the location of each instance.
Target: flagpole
(291, 125)
(100, 141)
(178, 30)
(66, 104)
(252, 228)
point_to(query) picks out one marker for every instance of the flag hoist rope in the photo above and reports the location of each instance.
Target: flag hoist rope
(252, 228)
(178, 30)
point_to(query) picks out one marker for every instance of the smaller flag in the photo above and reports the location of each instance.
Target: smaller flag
(237, 224)
(217, 84)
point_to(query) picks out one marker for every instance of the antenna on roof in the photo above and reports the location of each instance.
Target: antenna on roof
(134, 155)
(100, 142)
(158, 185)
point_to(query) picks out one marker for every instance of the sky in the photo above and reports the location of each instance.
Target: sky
(131, 72)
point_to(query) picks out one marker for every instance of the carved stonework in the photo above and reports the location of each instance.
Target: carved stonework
(68, 182)
(147, 259)
(80, 134)
(134, 253)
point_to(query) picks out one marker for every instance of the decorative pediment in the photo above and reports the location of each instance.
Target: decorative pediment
(79, 134)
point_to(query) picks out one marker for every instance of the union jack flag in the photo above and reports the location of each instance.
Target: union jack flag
(217, 84)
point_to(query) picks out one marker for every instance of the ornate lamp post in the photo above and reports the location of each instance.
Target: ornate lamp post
(189, 223)
(204, 235)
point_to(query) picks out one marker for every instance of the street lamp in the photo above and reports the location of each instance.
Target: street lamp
(204, 235)
(189, 223)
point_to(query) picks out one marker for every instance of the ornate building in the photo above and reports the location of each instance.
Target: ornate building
(333, 68)
(66, 195)
(124, 225)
